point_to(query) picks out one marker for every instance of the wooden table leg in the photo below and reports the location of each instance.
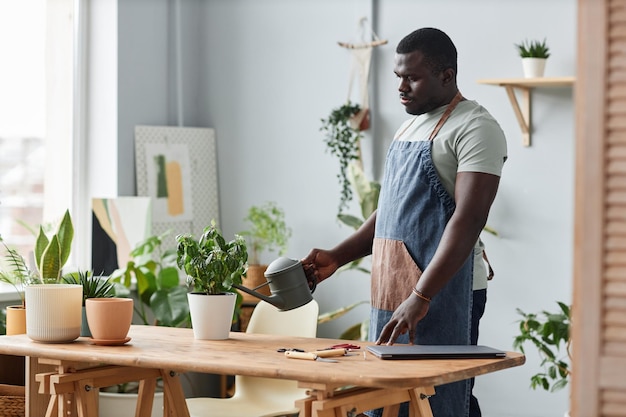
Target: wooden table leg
(174, 398)
(86, 398)
(145, 397)
(420, 406)
(351, 402)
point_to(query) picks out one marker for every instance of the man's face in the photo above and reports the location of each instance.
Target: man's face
(421, 91)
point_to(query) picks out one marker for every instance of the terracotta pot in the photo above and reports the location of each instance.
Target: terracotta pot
(253, 279)
(211, 315)
(16, 320)
(53, 312)
(109, 319)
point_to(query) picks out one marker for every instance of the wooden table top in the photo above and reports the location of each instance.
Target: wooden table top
(256, 355)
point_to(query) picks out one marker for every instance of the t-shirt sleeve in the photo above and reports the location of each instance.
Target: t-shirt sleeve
(482, 148)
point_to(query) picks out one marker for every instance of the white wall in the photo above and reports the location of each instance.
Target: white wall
(263, 74)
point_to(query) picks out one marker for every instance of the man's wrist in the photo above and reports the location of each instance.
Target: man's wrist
(421, 295)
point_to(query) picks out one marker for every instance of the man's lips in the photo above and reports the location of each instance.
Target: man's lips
(404, 100)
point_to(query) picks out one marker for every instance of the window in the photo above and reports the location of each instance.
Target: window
(36, 115)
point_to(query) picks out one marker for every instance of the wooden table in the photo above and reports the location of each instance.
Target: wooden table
(346, 388)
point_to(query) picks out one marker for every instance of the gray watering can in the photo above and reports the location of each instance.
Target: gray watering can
(288, 285)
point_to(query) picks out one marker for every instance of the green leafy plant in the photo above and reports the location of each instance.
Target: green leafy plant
(268, 231)
(550, 334)
(154, 272)
(211, 263)
(17, 273)
(533, 49)
(51, 253)
(93, 286)
(342, 140)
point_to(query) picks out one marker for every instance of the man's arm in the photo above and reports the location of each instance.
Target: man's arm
(320, 264)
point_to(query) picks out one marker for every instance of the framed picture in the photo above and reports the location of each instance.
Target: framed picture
(176, 167)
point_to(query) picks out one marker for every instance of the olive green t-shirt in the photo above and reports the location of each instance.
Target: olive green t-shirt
(471, 140)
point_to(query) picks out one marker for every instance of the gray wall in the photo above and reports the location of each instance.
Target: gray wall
(263, 74)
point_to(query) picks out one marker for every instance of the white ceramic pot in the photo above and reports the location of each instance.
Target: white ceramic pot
(533, 67)
(211, 315)
(53, 312)
(112, 404)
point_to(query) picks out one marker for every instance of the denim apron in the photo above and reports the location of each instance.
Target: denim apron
(413, 211)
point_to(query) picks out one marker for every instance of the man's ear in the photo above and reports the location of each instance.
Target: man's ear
(448, 76)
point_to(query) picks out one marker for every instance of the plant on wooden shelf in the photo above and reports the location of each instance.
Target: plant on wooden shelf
(162, 297)
(533, 49)
(213, 266)
(534, 54)
(549, 332)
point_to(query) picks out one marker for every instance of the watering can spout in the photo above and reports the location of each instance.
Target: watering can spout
(273, 299)
(287, 282)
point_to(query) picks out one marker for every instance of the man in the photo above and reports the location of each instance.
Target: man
(441, 176)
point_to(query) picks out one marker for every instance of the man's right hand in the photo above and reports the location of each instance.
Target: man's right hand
(318, 265)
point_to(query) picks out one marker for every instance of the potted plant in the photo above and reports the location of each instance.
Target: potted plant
(154, 273)
(534, 54)
(549, 332)
(53, 312)
(268, 232)
(343, 141)
(212, 266)
(15, 272)
(93, 287)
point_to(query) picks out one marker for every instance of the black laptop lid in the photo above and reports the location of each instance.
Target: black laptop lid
(435, 352)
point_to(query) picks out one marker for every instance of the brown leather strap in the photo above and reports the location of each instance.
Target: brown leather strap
(458, 97)
(491, 273)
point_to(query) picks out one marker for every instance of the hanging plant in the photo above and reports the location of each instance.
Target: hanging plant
(343, 142)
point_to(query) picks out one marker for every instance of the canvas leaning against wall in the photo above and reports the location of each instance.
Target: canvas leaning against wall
(118, 225)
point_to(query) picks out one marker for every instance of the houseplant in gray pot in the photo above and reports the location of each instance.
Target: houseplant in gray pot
(212, 265)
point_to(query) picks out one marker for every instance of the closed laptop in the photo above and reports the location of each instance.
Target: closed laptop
(435, 352)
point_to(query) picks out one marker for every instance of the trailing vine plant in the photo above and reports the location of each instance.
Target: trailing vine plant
(343, 142)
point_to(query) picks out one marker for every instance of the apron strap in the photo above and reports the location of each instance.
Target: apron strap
(458, 97)
(491, 273)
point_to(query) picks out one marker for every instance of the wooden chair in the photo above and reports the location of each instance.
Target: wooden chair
(263, 397)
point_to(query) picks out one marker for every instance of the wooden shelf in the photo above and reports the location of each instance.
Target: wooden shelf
(524, 86)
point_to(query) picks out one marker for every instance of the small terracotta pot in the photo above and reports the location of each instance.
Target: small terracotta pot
(109, 319)
(16, 320)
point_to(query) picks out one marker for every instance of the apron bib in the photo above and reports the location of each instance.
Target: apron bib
(413, 211)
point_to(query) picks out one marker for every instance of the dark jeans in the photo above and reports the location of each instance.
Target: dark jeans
(478, 308)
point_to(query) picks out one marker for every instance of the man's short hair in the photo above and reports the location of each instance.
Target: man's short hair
(437, 48)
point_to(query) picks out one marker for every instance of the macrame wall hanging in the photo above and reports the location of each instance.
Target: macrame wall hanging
(360, 68)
